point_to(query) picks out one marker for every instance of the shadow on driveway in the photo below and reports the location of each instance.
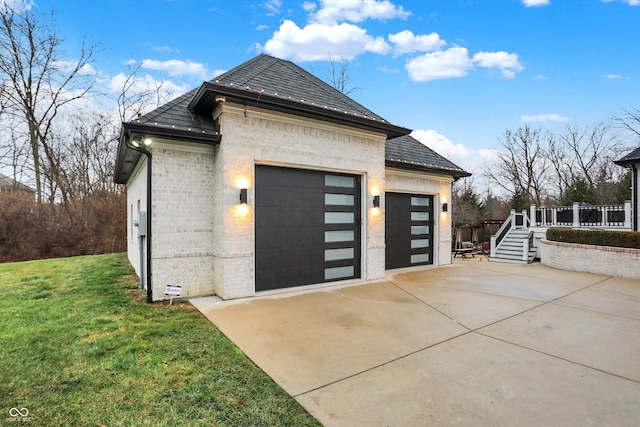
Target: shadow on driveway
(474, 343)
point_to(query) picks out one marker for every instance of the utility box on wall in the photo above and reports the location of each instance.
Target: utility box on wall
(142, 224)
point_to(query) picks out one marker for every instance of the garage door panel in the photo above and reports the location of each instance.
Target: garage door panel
(288, 239)
(307, 227)
(408, 230)
(292, 219)
(295, 198)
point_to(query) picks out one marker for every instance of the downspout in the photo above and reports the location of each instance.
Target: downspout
(635, 195)
(149, 217)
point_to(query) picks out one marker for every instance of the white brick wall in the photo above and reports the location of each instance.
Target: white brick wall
(136, 203)
(200, 239)
(265, 137)
(622, 262)
(182, 218)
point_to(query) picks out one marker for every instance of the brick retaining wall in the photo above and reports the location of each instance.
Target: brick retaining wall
(613, 261)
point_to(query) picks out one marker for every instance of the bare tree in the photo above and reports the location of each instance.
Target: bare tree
(89, 141)
(630, 121)
(522, 166)
(37, 83)
(136, 99)
(339, 76)
(584, 153)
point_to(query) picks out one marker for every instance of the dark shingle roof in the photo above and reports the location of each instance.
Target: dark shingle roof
(631, 158)
(283, 79)
(175, 115)
(173, 120)
(279, 85)
(407, 152)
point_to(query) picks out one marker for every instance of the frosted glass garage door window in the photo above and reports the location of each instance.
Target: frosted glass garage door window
(419, 201)
(338, 272)
(339, 199)
(339, 181)
(339, 236)
(418, 258)
(339, 218)
(419, 216)
(419, 243)
(419, 229)
(338, 254)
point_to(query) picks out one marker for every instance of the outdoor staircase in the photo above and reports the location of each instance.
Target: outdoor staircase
(514, 241)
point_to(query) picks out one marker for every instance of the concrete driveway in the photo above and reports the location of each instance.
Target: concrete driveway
(471, 344)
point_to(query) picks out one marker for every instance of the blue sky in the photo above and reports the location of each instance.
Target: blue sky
(458, 72)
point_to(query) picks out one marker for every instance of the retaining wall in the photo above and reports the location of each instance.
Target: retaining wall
(613, 261)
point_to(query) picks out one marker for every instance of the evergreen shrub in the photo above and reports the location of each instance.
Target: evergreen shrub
(622, 239)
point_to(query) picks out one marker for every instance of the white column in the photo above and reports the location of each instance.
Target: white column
(576, 214)
(627, 214)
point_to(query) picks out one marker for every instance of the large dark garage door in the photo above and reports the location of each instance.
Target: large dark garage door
(408, 230)
(307, 227)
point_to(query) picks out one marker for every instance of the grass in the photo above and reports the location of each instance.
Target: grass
(79, 346)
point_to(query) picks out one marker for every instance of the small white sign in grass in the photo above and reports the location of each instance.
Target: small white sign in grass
(173, 291)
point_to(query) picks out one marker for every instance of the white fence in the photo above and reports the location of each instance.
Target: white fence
(615, 217)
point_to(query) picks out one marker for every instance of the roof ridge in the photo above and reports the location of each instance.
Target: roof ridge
(332, 91)
(243, 66)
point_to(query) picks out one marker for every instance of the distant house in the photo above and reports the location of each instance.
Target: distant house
(9, 185)
(632, 161)
(268, 178)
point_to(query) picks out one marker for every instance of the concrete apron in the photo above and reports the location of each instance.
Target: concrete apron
(475, 343)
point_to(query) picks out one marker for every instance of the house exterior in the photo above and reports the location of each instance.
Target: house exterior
(632, 161)
(10, 186)
(268, 178)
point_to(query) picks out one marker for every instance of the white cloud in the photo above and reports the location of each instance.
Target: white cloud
(262, 27)
(507, 63)
(334, 11)
(534, 3)
(273, 6)
(175, 67)
(130, 62)
(309, 6)
(16, 5)
(69, 66)
(146, 83)
(465, 157)
(551, 117)
(539, 77)
(407, 42)
(453, 62)
(388, 70)
(629, 2)
(164, 48)
(315, 42)
(613, 76)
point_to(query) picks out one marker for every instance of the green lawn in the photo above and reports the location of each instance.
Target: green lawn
(80, 347)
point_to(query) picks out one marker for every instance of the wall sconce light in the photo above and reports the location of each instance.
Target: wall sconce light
(137, 140)
(376, 201)
(243, 196)
(445, 207)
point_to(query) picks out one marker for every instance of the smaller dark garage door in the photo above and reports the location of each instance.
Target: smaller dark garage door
(408, 230)
(307, 227)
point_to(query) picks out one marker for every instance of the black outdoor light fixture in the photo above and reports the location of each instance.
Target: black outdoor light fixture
(243, 196)
(376, 201)
(445, 207)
